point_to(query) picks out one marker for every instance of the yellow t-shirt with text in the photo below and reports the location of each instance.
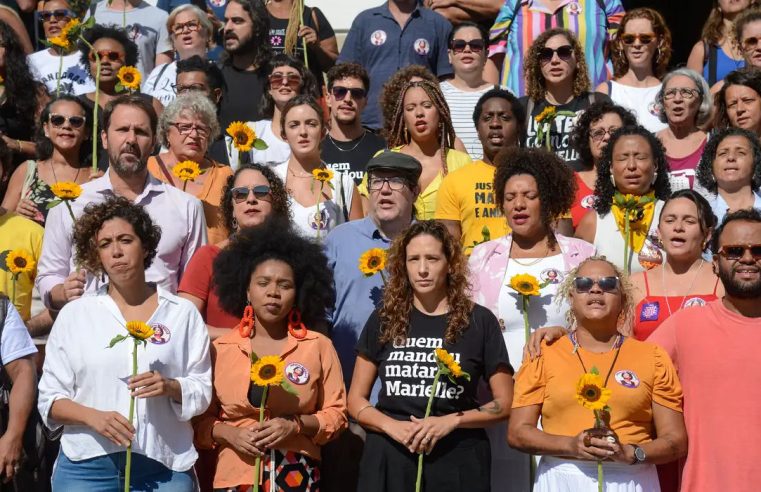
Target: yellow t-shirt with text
(466, 195)
(19, 233)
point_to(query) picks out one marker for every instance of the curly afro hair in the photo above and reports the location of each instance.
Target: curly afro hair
(580, 134)
(273, 240)
(281, 208)
(115, 33)
(535, 88)
(604, 187)
(392, 91)
(704, 171)
(554, 180)
(96, 214)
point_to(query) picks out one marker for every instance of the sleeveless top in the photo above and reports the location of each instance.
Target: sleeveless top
(640, 101)
(37, 191)
(718, 64)
(583, 202)
(609, 242)
(682, 169)
(654, 310)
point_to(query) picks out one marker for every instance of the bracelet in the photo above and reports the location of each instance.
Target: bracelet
(18, 142)
(362, 410)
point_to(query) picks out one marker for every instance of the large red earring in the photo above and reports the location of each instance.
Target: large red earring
(247, 327)
(295, 327)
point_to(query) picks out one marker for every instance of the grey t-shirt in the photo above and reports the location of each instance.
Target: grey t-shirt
(146, 26)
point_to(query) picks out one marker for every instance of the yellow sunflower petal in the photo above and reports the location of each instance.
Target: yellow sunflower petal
(186, 170)
(243, 136)
(372, 261)
(66, 190)
(525, 284)
(268, 371)
(129, 77)
(323, 174)
(19, 261)
(139, 330)
(591, 393)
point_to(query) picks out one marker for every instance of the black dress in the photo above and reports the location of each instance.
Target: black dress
(461, 461)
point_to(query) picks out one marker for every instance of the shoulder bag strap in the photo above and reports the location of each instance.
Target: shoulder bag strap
(31, 168)
(163, 169)
(713, 60)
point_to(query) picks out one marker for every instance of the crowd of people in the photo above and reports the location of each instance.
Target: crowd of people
(481, 245)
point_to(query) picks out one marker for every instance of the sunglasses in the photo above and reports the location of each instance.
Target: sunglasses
(292, 80)
(105, 55)
(737, 251)
(356, 93)
(565, 53)
(750, 43)
(644, 38)
(458, 45)
(47, 15)
(585, 284)
(58, 120)
(240, 193)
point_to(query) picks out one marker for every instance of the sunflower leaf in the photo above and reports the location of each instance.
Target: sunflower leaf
(3, 256)
(53, 203)
(254, 357)
(260, 144)
(117, 339)
(119, 87)
(287, 387)
(594, 371)
(89, 22)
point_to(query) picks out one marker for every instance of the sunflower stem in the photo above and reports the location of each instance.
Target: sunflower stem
(71, 212)
(95, 107)
(599, 477)
(60, 71)
(526, 326)
(318, 216)
(14, 278)
(627, 233)
(383, 276)
(258, 463)
(547, 135)
(128, 466)
(434, 387)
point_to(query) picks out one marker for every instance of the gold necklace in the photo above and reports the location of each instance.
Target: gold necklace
(533, 262)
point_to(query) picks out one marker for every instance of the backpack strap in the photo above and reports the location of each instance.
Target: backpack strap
(529, 110)
(713, 60)
(31, 168)
(342, 197)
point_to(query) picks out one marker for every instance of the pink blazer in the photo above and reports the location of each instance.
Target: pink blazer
(488, 264)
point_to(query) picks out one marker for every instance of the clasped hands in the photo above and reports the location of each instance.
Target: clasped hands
(601, 445)
(421, 435)
(258, 438)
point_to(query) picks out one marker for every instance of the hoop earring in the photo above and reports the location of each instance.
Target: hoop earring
(655, 177)
(234, 223)
(295, 327)
(247, 325)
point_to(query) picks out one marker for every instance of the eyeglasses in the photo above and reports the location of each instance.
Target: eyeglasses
(191, 26)
(585, 284)
(106, 55)
(565, 53)
(58, 120)
(58, 14)
(685, 92)
(749, 44)
(600, 133)
(180, 89)
(735, 252)
(458, 45)
(340, 92)
(395, 184)
(292, 80)
(185, 129)
(240, 193)
(644, 38)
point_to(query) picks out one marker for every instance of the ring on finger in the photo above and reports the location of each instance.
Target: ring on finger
(587, 440)
(611, 439)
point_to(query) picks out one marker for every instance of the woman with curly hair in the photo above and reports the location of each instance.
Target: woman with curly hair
(532, 188)
(421, 126)
(730, 170)
(86, 382)
(642, 424)
(282, 283)
(425, 308)
(252, 196)
(557, 90)
(21, 97)
(641, 54)
(590, 136)
(718, 53)
(747, 31)
(738, 103)
(633, 180)
(392, 90)
(63, 137)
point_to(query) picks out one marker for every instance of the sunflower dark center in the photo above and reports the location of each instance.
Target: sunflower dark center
(241, 138)
(19, 262)
(591, 393)
(267, 372)
(374, 262)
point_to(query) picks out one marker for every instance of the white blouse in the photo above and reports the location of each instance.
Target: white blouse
(79, 366)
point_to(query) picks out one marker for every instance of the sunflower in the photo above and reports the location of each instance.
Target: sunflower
(60, 41)
(323, 175)
(187, 170)
(591, 393)
(372, 261)
(139, 330)
(129, 78)
(19, 261)
(268, 371)
(525, 284)
(548, 112)
(66, 190)
(448, 360)
(243, 136)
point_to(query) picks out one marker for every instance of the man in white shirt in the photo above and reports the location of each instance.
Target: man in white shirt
(129, 135)
(145, 26)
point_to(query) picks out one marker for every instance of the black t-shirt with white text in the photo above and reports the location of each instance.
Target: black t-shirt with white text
(562, 126)
(406, 371)
(351, 157)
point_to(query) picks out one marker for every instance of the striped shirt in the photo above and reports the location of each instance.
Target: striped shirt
(593, 21)
(461, 105)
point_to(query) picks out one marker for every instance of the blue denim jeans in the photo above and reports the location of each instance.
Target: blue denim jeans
(106, 474)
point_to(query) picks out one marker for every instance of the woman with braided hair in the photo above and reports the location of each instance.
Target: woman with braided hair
(421, 126)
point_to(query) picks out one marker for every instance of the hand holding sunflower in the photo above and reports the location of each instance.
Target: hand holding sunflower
(592, 394)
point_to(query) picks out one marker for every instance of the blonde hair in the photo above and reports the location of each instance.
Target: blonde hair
(206, 26)
(625, 317)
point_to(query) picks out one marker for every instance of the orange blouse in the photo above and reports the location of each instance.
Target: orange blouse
(214, 183)
(318, 383)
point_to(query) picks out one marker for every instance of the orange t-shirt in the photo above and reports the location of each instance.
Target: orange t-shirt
(643, 374)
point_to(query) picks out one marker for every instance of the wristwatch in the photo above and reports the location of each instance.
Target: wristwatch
(639, 455)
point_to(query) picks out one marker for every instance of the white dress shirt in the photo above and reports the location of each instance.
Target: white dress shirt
(178, 214)
(80, 367)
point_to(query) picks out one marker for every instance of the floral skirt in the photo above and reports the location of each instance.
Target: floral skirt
(292, 472)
